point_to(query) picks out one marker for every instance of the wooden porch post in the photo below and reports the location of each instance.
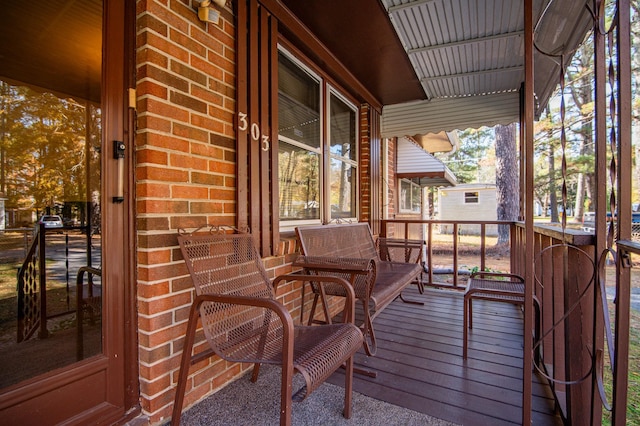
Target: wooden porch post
(623, 281)
(600, 65)
(528, 211)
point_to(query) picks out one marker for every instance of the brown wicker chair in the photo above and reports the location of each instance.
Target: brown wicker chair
(243, 322)
(497, 287)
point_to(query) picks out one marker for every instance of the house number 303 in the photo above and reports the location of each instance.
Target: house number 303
(256, 134)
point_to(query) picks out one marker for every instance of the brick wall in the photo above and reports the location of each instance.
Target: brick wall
(392, 181)
(363, 165)
(185, 174)
(185, 178)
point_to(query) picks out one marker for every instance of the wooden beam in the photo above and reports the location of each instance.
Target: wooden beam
(529, 109)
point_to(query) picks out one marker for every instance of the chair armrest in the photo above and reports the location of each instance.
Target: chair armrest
(349, 312)
(335, 264)
(260, 302)
(271, 304)
(489, 275)
(409, 247)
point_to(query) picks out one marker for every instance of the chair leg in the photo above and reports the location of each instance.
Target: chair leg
(312, 313)
(370, 345)
(465, 332)
(285, 395)
(348, 388)
(185, 363)
(255, 372)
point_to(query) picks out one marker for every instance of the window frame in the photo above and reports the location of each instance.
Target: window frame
(472, 197)
(327, 88)
(401, 195)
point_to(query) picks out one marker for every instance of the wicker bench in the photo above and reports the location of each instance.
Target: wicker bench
(349, 251)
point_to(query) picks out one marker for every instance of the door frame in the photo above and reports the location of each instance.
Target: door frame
(104, 388)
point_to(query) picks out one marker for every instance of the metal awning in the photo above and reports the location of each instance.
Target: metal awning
(445, 64)
(415, 163)
(449, 114)
(469, 58)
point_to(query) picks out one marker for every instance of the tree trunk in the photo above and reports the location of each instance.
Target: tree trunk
(553, 199)
(506, 178)
(580, 193)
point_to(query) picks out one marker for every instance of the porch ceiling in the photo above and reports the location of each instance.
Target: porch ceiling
(63, 56)
(405, 51)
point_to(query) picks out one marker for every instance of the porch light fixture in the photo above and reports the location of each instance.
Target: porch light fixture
(208, 13)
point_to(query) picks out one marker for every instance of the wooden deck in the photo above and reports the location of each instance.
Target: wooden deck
(419, 362)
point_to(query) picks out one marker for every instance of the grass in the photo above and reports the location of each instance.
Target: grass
(633, 387)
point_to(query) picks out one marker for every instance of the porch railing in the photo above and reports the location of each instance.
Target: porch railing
(444, 246)
(574, 309)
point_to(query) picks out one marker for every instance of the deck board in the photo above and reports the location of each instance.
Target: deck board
(419, 362)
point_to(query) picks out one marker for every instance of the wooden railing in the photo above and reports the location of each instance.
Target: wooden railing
(573, 300)
(445, 246)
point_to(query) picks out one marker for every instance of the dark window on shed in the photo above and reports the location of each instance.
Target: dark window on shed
(471, 197)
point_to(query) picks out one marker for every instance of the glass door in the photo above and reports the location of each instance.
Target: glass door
(59, 95)
(50, 149)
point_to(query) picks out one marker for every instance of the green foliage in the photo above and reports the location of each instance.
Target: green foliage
(465, 162)
(44, 142)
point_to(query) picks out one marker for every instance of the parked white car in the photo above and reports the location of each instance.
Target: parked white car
(51, 221)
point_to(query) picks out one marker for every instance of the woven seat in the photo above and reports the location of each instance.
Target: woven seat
(243, 322)
(405, 251)
(497, 287)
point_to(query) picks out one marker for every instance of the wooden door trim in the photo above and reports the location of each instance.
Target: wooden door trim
(109, 381)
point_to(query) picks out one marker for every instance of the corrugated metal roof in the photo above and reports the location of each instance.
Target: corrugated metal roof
(469, 57)
(415, 163)
(462, 47)
(449, 114)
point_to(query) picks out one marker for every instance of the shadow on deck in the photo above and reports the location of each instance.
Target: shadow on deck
(421, 376)
(420, 366)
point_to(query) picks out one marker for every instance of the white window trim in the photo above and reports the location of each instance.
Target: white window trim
(324, 150)
(354, 163)
(408, 211)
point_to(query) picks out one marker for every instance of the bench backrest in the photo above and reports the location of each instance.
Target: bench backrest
(353, 240)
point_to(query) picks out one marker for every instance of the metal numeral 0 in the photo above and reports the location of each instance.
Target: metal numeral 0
(255, 131)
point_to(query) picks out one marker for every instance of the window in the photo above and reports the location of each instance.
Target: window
(471, 197)
(317, 157)
(410, 196)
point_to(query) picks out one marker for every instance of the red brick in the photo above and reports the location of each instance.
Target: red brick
(153, 190)
(207, 123)
(189, 192)
(187, 161)
(151, 156)
(151, 88)
(205, 207)
(150, 122)
(146, 54)
(162, 206)
(162, 174)
(220, 167)
(190, 132)
(164, 109)
(148, 291)
(207, 179)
